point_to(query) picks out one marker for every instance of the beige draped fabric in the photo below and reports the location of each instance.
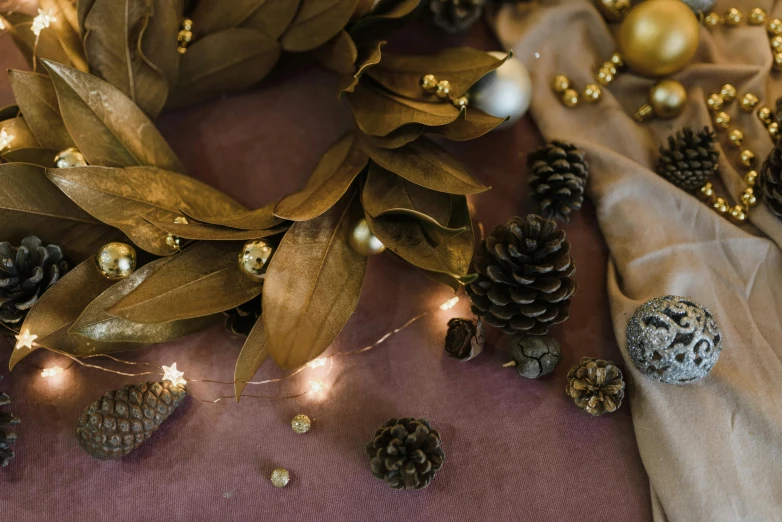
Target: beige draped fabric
(712, 449)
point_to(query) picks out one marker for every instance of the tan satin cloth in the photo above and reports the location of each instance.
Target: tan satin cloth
(713, 449)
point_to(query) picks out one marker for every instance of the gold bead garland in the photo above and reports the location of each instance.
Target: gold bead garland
(185, 36)
(766, 116)
(756, 16)
(442, 89)
(593, 92)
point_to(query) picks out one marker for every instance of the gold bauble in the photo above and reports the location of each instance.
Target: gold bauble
(604, 76)
(70, 157)
(667, 97)
(728, 93)
(570, 98)
(560, 84)
(733, 16)
(593, 93)
(461, 101)
(658, 38)
(764, 114)
(773, 129)
(777, 62)
(776, 43)
(364, 241)
(747, 157)
(757, 16)
(774, 26)
(748, 102)
(254, 257)
(616, 59)
(713, 20)
(116, 260)
(443, 89)
(429, 83)
(715, 102)
(722, 120)
(736, 137)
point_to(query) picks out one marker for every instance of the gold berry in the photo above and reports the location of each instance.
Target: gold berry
(429, 83)
(715, 102)
(570, 98)
(707, 192)
(713, 20)
(757, 16)
(443, 89)
(737, 214)
(764, 114)
(722, 119)
(604, 76)
(736, 137)
(748, 198)
(773, 129)
(560, 84)
(750, 178)
(733, 16)
(721, 205)
(616, 59)
(593, 92)
(747, 157)
(774, 26)
(728, 93)
(748, 102)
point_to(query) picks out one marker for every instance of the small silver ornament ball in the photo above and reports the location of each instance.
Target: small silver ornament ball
(280, 477)
(70, 157)
(116, 260)
(363, 241)
(506, 91)
(700, 6)
(674, 339)
(253, 259)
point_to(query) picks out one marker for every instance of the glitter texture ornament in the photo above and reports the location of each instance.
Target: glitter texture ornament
(280, 477)
(301, 424)
(674, 340)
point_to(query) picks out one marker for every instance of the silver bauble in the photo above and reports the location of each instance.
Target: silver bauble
(363, 241)
(254, 257)
(504, 92)
(70, 157)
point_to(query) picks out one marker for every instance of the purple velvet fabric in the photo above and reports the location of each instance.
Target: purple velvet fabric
(516, 449)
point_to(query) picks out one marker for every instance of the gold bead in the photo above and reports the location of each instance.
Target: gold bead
(443, 89)
(301, 424)
(617, 60)
(428, 83)
(363, 241)
(593, 93)
(721, 205)
(748, 102)
(777, 62)
(181, 50)
(748, 198)
(722, 120)
(707, 192)
(715, 102)
(187, 24)
(764, 114)
(667, 97)
(253, 259)
(643, 113)
(713, 20)
(757, 16)
(116, 260)
(774, 26)
(185, 36)
(461, 101)
(280, 477)
(773, 129)
(733, 16)
(560, 84)
(604, 76)
(728, 93)
(750, 178)
(776, 43)
(737, 214)
(70, 157)
(747, 157)
(610, 66)
(570, 98)
(736, 137)
(173, 242)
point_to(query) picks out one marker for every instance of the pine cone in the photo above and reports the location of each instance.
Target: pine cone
(524, 270)
(596, 386)
(406, 453)
(558, 180)
(455, 16)
(26, 273)
(240, 320)
(535, 356)
(689, 159)
(7, 438)
(121, 420)
(464, 339)
(770, 180)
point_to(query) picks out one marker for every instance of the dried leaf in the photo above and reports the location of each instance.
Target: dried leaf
(8, 112)
(368, 54)
(66, 29)
(38, 102)
(204, 232)
(231, 60)
(400, 137)
(159, 44)
(31, 204)
(379, 113)
(82, 10)
(330, 180)
(273, 17)
(202, 280)
(461, 66)
(23, 136)
(35, 156)
(475, 124)
(363, 7)
(270, 17)
(384, 17)
(107, 127)
(312, 285)
(95, 323)
(316, 22)
(338, 54)
(254, 353)
(130, 198)
(49, 46)
(257, 219)
(425, 163)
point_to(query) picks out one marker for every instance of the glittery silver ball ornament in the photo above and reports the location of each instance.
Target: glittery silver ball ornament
(70, 157)
(506, 91)
(700, 6)
(253, 259)
(280, 477)
(363, 241)
(674, 339)
(301, 424)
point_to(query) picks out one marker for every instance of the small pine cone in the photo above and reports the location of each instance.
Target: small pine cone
(535, 356)
(558, 179)
(7, 438)
(121, 420)
(464, 339)
(596, 386)
(240, 320)
(524, 270)
(690, 158)
(770, 180)
(26, 272)
(455, 16)
(406, 453)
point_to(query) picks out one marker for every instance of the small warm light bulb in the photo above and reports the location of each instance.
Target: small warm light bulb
(2, 24)
(450, 303)
(5, 139)
(317, 387)
(51, 372)
(25, 340)
(170, 373)
(42, 21)
(317, 363)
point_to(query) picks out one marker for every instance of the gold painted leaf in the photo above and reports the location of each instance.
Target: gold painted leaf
(95, 323)
(368, 54)
(23, 136)
(159, 43)
(338, 54)
(273, 17)
(254, 353)
(31, 204)
(312, 285)
(456, 283)
(379, 113)
(130, 198)
(330, 180)
(50, 42)
(270, 17)
(202, 280)
(231, 60)
(316, 22)
(205, 232)
(35, 156)
(258, 219)
(107, 127)
(82, 10)
(475, 124)
(400, 137)
(66, 30)
(38, 102)
(363, 7)
(425, 163)
(384, 17)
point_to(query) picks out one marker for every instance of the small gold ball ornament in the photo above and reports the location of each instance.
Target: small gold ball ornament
(774, 26)
(715, 102)
(610, 66)
(560, 84)
(658, 38)
(707, 192)
(363, 241)
(173, 242)
(750, 178)
(461, 101)
(747, 157)
(733, 16)
(570, 98)
(722, 120)
(721, 205)
(776, 43)
(280, 477)
(748, 198)
(748, 102)
(181, 50)
(70, 157)
(253, 259)
(713, 20)
(604, 76)
(773, 130)
(776, 62)
(736, 137)
(757, 16)
(728, 93)
(443, 89)
(301, 424)
(764, 114)
(617, 60)
(428, 83)
(593, 93)
(737, 214)
(667, 97)
(116, 260)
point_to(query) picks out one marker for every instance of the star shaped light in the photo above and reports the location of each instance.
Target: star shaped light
(25, 339)
(170, 373)
(42, 21)
(5, 139)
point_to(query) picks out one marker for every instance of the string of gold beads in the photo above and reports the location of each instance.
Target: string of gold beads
(440, 88)
(757, 16)
(593, 92)
(614, 10)
(185, 36)
(767, 117)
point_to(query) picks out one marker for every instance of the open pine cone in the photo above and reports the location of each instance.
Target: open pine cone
(454, 16)
(770, 180)
(240, 320)
(524, 270)
(7, 438)
(558, 179)
(596, 386)
(689, 159)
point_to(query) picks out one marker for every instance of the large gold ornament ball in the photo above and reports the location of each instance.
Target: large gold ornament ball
(254, 257)
(116, 260)
(658, 38)
(667, 97)
(364, 241)
(70, 157)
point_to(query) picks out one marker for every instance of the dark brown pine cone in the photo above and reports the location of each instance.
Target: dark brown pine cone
(524, 270)
(121, 420)
(240, 320)
(464, 339)
(406, 453)
(770, 180)
(558, 179)
(455, 16)
(7, 438)
(26, 272)
(690, 158)
(596, 386)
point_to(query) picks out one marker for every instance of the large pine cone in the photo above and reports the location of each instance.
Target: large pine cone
(689, 159)
(121, 420)
(524, 270)
(240, 320)
(454, 16)
(7, 438)
(406, 453)
(596, 386)
(558, 179)
(26, 273)
(770, 180)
